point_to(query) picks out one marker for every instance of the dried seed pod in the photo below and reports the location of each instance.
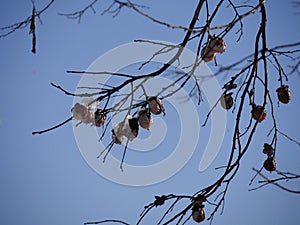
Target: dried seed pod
(198, 213)
(268, 149)
(284, 94)
(134, 126)
(230, 86)
(270, 164)
(79, 111)
(217, 45)
(207, 53)
(118, 132)
(82, 113)
(145, 119)
(160, 200)
(155, 105)
(100, 117)
(227, 101)
(128, 128)
(258, 113)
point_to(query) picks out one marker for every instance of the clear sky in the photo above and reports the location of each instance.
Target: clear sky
(45, 180)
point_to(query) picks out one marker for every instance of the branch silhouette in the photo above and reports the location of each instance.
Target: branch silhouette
(247, 94)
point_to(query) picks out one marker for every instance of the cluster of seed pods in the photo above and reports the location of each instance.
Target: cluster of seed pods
(86, 115)
(129, 128)
(258, 112)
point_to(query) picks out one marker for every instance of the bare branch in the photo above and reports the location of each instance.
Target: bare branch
(52, 128)
(22, 24)
(107, 221)
(274, 182)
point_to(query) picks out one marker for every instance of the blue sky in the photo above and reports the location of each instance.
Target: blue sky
(44, 178)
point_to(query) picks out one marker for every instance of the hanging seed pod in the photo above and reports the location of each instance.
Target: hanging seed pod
(284, 94)
(134, 126)
(145, 119)
(258, 113)
(218, 45)
(198, 213)
(207, 54)
(155, 105)
(230, 86)
(270, 164)
(268, 149)
(227, 101)
(118, 133)
(79, 111)
(100, 117)
(128, 128)
(82, 113)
